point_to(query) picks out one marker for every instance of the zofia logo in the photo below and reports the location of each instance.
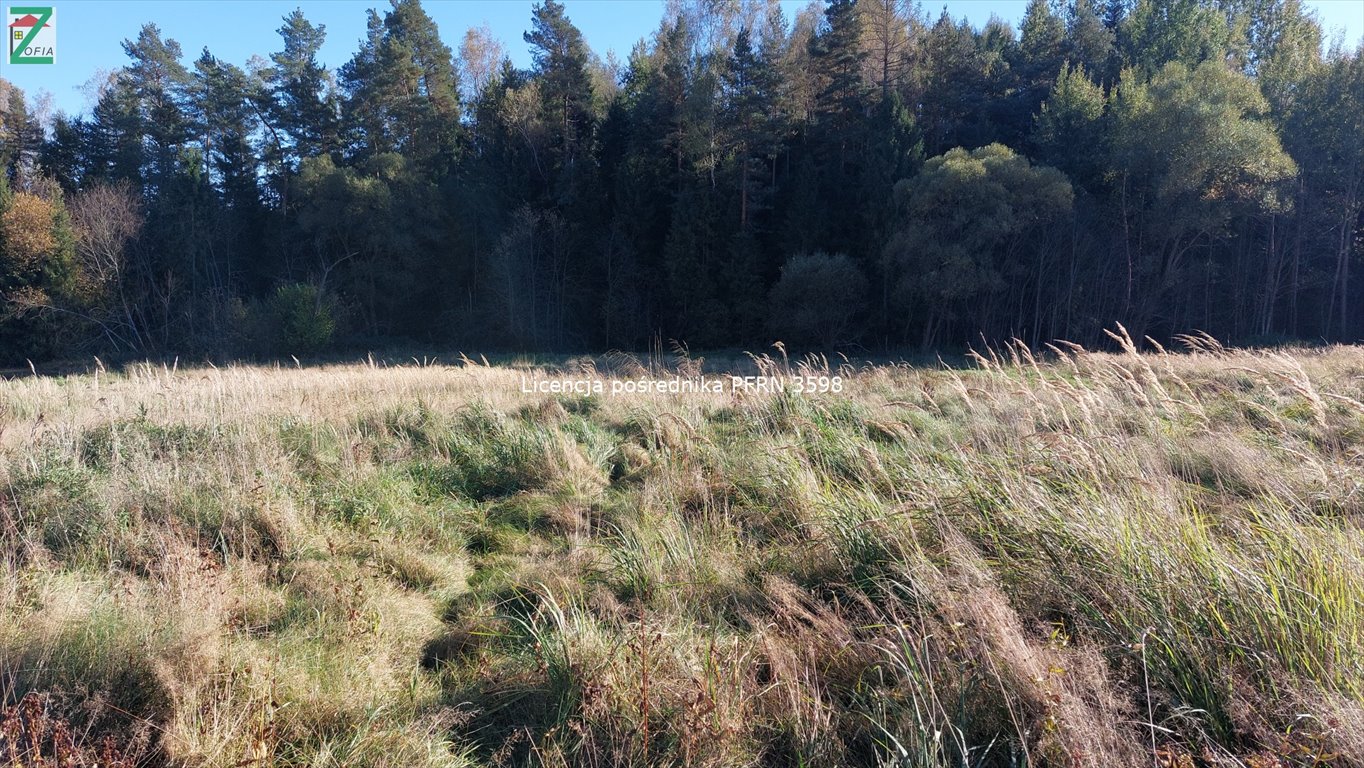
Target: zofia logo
(32, 35)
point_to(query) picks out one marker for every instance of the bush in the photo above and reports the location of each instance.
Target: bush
(297, 318)
(816, 300)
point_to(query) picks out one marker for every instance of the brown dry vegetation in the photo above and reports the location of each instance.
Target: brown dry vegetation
(1099, 560)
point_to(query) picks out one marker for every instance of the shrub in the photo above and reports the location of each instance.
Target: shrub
(816, 300)
(297, 318)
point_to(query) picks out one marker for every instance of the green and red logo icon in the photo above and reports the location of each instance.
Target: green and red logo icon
(32, 34)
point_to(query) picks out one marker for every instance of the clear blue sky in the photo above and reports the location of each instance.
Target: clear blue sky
(90, 32)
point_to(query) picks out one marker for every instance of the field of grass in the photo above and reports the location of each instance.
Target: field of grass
(1093, 560)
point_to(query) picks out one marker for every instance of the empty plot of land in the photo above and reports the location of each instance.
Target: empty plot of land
(1088, 560)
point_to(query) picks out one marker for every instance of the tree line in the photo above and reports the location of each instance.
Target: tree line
(859, 175)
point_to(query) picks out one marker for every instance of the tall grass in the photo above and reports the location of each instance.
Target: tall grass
(1059, 559)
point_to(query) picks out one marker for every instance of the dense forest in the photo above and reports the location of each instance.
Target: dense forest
(862, 175)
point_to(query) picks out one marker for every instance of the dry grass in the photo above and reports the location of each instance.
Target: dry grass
(1092, 560)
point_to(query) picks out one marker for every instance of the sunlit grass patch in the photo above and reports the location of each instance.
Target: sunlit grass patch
(1089, 560)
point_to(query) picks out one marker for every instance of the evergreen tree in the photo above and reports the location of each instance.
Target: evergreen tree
(1156, 32)
(367, 127)
(1041, 44)
(20, 135)
(837, 54)
(64, 156)
(114, 137)
(1040, 53)
(1114, 13)
(226, 122)
(754, 130)
(403, 91)
(158, 82)
(302, 103)
(1089, 42)
(838, 136)
(694, 262)
(1069, 130)
(561, 58)
(959, 87)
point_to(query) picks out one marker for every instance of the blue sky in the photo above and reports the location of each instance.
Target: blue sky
(90, 32)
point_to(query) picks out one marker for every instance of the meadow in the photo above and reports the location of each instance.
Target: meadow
(1067, 558)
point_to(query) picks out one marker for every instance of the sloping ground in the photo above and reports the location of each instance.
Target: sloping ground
(1103, 560)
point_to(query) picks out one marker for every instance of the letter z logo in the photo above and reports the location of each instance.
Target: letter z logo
(32, 35)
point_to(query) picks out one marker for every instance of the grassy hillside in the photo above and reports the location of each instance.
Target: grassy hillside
(1101, 560)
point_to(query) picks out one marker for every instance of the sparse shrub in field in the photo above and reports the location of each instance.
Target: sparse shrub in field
(402, 431)
(296, 319)
(367, 502)
(217, 526)
(489, 455)
(817, 300)
(582, 405)
(315, 450)
(106, 444)
(57, 504)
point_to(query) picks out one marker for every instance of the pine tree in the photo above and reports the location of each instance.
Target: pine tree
(1187, 31)
(752, 123)
(838, 136)
(1089, 43)
(1039, 55)
(158, 81)
(64, 156)
(226, 121)
(561, 57)
(416, 72)
(402, 91)
(1041, 43)
(838, 56)
(20, 135)
(694, 261)
(958, 90)
(1068, 131)
(366, 126)
(1114, 13)
(302, 106)
(114, 137)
